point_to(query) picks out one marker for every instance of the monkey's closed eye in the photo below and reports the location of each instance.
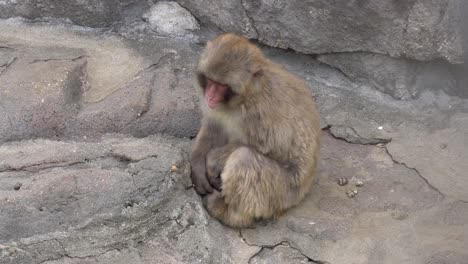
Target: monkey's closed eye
(201, 80)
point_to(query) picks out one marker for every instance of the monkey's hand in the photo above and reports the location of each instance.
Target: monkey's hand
(199, 179)
(213, 170)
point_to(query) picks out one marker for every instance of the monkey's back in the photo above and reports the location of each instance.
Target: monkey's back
(288, 124)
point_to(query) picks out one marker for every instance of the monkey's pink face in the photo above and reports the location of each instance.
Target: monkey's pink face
(215, 93)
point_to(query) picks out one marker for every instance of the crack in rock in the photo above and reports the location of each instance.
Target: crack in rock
(41, 166)
(350, 135)
(8, 65)
(415, 170)
(67, 59)
(285, 243)
(252, 22)
(388, 153)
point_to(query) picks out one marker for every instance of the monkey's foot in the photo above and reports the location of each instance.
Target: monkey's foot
(214, 204)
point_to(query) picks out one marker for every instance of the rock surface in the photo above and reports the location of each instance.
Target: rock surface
(87, 13)
(418, 29)
(170, 19)
(77, 85)
(94, 130)
(401, 78)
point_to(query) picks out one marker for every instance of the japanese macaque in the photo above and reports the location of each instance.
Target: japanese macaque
(256, 152)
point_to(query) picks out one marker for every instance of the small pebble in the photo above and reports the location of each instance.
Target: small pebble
(381, 145)
(12, 250)
(359, 184)
(443, 146)
(17, 186)
(399, 215)
(342, 181)
(351, 193)
(173, 168)
(128, 204)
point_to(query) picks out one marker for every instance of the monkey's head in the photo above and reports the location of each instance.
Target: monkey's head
(227, 71)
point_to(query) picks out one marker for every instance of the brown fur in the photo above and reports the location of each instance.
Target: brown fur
(272, 127)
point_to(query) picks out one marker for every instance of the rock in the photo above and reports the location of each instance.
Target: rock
(39, 103)
(350, 135)
(228, 15)
(364, 228)
(447, 257)
(417, 29)
(110, 64)
(445, 169)
(72, 209)
(434, 30)
(7, 56)
(401, 78)
(170, 19)
(87, 13)
(161, 100)
(280, 254)
(76, 84)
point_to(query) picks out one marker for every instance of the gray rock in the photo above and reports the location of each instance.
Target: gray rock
(90, 197)
(350, 134)
(85, 86)
(364, 228)
(417, 29)
(401, 78)
(228, 15)
(39, 103)
(279, 254)
(87, 13)
(170, 19)
(445, 168)
(447, 257)
(106, 207)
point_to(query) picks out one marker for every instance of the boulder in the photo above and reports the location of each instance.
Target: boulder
(170, 19)
(418, 29)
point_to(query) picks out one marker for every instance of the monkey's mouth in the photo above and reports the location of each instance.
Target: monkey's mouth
(216, 93)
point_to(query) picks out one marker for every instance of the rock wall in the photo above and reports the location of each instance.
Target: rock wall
(379, 43)
(418, 29)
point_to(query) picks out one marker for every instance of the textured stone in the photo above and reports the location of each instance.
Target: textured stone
(170, 19)
(445, 168)
(107, 208)
(85, 86)
(279, 254)
(39, 103)
(395, 204)
(401, 78)
(88, 12)
(88, 196)
(417, 29)
(228, 15)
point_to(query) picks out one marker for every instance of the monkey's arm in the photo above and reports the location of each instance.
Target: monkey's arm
(210, 136)
(215, 161)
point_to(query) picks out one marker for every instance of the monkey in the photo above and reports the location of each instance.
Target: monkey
(255, 154)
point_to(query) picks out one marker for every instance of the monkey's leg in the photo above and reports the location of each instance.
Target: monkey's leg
(217, 208)
(254, 187)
